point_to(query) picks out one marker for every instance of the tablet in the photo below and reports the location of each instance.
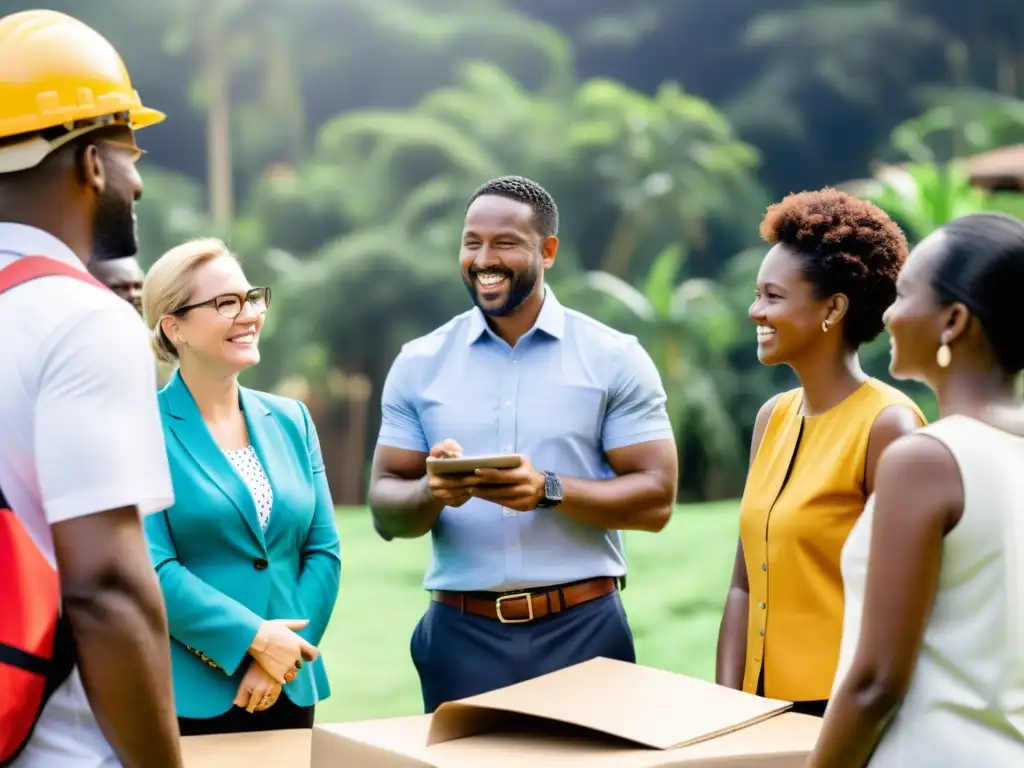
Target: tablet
(464, 465)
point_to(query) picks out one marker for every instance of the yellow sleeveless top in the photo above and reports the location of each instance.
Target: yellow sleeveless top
(793, 532)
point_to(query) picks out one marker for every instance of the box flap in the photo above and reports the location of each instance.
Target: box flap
(640, 704)
(783, 741)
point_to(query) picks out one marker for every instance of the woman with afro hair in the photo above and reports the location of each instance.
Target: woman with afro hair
(821, 292)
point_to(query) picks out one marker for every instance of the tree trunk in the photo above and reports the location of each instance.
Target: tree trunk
(283, 90)
(620, 251)
(359, 391)
(1006, 70)
(958, 66)
(218, 140)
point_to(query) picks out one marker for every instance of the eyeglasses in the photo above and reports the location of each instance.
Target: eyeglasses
(230, 305)
(134, 152)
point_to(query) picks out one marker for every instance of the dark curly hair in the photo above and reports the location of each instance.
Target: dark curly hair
(849, 246)
(522, 190)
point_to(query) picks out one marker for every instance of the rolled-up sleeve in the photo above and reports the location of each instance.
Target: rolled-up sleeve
(637, 411)
(400, 425)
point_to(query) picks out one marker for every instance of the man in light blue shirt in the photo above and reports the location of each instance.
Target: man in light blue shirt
(526, 562)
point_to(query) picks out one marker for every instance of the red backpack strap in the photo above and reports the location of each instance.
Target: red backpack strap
(31, 267)
(37, 647)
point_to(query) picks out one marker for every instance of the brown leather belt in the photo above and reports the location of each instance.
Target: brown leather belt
(521, 607)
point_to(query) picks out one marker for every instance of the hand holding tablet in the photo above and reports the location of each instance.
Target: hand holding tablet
(451, 477)
(464, 465)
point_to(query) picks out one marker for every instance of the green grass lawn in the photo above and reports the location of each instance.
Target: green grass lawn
(676, 587)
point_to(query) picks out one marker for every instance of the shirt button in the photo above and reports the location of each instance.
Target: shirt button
(260, 564)
(508, 447)
(763, 605)
(508, 402)
(761, 631)
(764, 566)
(514, 360)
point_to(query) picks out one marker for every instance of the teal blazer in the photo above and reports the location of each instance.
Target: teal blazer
(221, 574)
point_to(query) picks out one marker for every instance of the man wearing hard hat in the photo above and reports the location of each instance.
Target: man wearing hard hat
(84, 653)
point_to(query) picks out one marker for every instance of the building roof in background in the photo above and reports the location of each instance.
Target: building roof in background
(996, 170)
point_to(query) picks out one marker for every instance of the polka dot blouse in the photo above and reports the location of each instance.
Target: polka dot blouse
(248, 465)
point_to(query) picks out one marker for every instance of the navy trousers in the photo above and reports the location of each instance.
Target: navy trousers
(459, 654)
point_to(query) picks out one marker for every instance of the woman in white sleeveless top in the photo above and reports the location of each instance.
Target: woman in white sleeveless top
(931, 669)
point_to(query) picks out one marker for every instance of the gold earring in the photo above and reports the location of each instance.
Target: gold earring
(824, 326)
(944, 356)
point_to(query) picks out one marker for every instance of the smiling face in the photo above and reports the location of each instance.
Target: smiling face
(503, 256)
(787, 313)
(207, 335)
(915, 321)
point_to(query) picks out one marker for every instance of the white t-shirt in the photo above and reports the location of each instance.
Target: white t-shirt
(80, 433)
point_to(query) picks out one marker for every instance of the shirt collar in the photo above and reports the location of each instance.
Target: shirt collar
(551, 319)
(24, 240)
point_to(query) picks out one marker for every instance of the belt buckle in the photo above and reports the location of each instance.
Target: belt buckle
(529, 606)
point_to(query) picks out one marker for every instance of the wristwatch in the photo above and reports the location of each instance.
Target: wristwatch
(552, 491)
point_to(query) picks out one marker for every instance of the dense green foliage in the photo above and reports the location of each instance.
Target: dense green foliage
(334, 145)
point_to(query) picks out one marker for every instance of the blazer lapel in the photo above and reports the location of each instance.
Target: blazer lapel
(269, 443)
(188, 426)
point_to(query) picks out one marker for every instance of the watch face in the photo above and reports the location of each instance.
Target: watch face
(552, 488)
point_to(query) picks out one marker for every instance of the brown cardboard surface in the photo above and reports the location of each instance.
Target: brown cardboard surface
(273, 749)
(783, 741)
(647, 706)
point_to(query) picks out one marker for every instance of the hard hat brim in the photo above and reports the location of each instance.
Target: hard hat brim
(31, 152)
(144, 117)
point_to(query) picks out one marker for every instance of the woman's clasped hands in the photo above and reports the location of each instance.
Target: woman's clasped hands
(277, 654)
(258, 690)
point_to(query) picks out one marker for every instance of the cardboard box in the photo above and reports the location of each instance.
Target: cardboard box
(273, 749)
(600, 713)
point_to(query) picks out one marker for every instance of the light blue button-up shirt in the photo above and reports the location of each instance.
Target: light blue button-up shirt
(570, 390)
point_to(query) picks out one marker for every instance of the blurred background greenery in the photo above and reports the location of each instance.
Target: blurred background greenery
(334, 143)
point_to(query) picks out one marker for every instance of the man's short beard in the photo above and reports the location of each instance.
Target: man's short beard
(114, 235)
(520, 290)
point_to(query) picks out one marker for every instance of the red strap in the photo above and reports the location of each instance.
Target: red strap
(30, 267)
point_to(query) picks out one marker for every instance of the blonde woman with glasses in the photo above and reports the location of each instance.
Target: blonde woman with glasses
(248, 556)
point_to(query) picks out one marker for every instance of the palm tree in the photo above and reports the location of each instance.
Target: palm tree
(672, 159)
(936, 187)
(666, 166)
(687, 327)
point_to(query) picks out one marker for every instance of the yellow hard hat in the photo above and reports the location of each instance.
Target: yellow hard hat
(59, 78)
